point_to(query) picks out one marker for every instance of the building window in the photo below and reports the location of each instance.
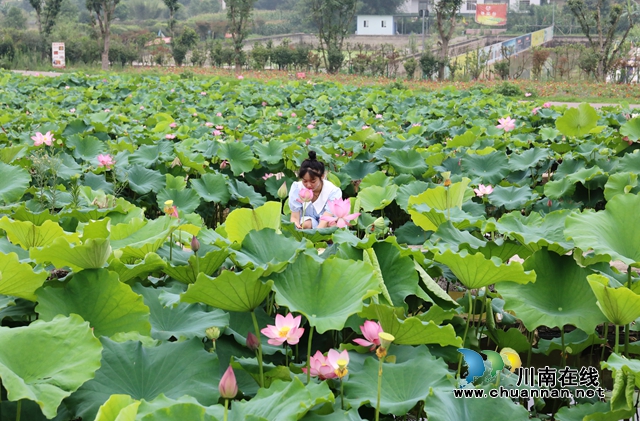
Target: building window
(365, 23)
(524, 4)
(471, 4)
(384, 24)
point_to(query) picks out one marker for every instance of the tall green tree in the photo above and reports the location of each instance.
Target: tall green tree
(46, 14)
(238, 16)
(15, 18)
(173, 6)
(379, 7)
(600, 25)
(332, 19)
(101, 16)
(446, 18)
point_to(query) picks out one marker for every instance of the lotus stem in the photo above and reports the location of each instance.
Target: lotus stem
(342, 394)
(466, 330)
(606, 340)
(171, 246)
(615, 346)
(18, 410)
(259, 350)
(627, 326)
(530, 337)
(226, 409)
(379, 389)
(563, 356)
(309, 358)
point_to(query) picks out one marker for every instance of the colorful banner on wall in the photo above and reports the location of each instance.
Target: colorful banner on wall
(491, 14)
(57, 54)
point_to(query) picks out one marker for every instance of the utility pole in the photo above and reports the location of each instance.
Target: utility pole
(423, 13)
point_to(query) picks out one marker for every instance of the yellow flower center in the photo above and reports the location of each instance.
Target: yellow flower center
(284, 331)
(341, 363)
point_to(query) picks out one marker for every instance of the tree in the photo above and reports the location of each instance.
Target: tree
(238, 15)
(173, 6)
(46, 13)
(332, 19)
(15, 18)
(600, 29)
(102, 12)
(446, 14)
(379, 7)
(182, 44)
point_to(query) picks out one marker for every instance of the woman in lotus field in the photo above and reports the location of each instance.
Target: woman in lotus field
(309, 197)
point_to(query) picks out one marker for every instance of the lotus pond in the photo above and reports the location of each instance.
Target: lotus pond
(145, 249)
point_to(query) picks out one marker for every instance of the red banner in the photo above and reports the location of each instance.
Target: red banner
(492, 14)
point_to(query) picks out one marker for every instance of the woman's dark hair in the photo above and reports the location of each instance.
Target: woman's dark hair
(311, 166)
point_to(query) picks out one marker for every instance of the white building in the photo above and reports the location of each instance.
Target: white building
(468, 6)
(376, 25)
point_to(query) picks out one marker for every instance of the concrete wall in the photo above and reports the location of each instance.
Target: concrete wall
(375, 25)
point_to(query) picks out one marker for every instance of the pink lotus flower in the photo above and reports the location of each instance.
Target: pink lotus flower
(482, 190)
(240, 77)
(264, 103)
(170, 209)
(507, 124)
(195, 114)
(142, 107)
(203, 93)
(527, 94)
(301, 75)
(73, 110)
(219, 114)
(339, 362)
(173, 125)
(106, 161)
(66, 87)
(370, 331)
(228, 386)
(220, 127)
(293, 114)
(365, 127)
(40, 138)
(106, 110)
(208, 124)
(305, 196)
(416, 125)
(217, 132)
(224, 164)
(279, 114)
(340, 208)
(320, 367)
(535, 110)
(546, 105)
(379, 116)
(311, 126)
(287, 329)
(170, 136)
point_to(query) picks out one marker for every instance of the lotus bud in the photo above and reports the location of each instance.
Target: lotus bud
(306, 142)
(386, 339)
(213, 333)
(282, 191)
(195, 244)
(498, 317)
(252, 341)
(228, 386)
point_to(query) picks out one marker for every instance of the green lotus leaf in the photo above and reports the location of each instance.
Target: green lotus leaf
(377, 197)
(577, 121)
(411, 330)
(270, 152)
(22, 213)
(326, 293)
(174, 369)
(357, 170)
(14, 181)
(438, 198)
(549, 133)
(620, 183)
(460, 218)
(598, 411)
(369, 257)
(138, 237)
(147, 155)
(92, 254)
(212, 188)
(181, 321)
(141, 269)
(447, 236)
(620, 305)
(10, 153)
(118, 408)
(564, 185)
(186, 200)
(467, 139)
(241, 221)
(190, 159)
(19, 279)
(432, 286)
(613, 232)
(239, 155)
(34, 365)
(101, 299)
(207, 264)
(475, 271)
(631, 129)
(377, 178)
(29, 235)
(403, 384)
(528, 159)
(512, 338)
(535, 231)
(283, 401)
(240, 324)
(142, 180)
(408, 162)
(490, 169)
(512, 197)
(268, 250)
(443, 406)
(339, 415)
(405, 191)
(503, 250)
(577, 340)
(244, 193)
(182, 409)
(621, 363)
(231, 291)
(175, 182)
(398, 272)
(86, 148)
(560, 295)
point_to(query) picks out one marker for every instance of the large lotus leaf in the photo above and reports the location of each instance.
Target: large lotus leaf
(447, 236)
(475, 271)
(460, 218)
(491, 168)
(564, 184)
(438, 198)
(577, 121)
(174, 369)
(231, 291)
(283, 401)
(101, 299)
(432, 286)
(28, 235)
(503, 250)
(467, 139)
(398, 272)
(405, 191)
(270, 152)
(239, 155)
(443, 406)
(268, 250)
(19, 279)
(212, 188)
(326, 293)
(598, 411)
(357, 170)
(207, 264)
(339, 415)
(512, 197)
(576, 340)
(621, 363)
(92, 254)
(377, 178)
(369, 257)
(377, 197)
(86, 148)
(408, 162)
(142, 180)
(138, 237)
(141, 269)
(528, 159)
(620, 305)
(412, 330)
(186, 200)
(241, 221)
(403, 384)
(620, 183)
(180, 320)
(244, 193)
(631, 129)
(118, 408)
(535, 231)
(14, 181)
(560, 295)
(47, 361)
(614, 231)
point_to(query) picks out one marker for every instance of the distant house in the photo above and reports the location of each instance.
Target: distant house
(376, 25)
(468, 6)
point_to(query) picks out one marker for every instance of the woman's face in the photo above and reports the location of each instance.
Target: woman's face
(311, 182)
